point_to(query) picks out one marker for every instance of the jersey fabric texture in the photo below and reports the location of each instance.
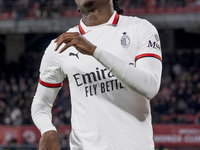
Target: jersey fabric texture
(106, 114)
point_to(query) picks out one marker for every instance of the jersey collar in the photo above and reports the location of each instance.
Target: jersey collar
(112, 21)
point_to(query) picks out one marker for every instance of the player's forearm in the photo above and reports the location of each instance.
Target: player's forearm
(41, 108)
(41, 115)
(145, 82)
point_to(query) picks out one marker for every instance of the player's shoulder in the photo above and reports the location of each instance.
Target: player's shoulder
(50, 50)
(73, 29)
(135, 21)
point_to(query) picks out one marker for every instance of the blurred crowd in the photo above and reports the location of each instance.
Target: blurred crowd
(18, 82)
(20, 9)
(178, 100)
(17, 86)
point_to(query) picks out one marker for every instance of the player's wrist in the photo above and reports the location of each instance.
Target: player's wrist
(93, 48)
(49, 140)
(47, 129)
(97, 52)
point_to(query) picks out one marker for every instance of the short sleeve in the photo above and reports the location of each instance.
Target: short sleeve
(148, 41)
(51, 74)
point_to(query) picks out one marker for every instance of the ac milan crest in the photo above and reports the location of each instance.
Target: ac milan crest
(125, 40)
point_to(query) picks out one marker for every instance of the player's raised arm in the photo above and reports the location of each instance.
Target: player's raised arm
(144, 77)
(74, 39)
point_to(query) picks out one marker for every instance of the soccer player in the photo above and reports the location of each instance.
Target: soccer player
(113, 64)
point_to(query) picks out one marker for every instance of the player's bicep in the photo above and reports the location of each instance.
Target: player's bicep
(149, 45)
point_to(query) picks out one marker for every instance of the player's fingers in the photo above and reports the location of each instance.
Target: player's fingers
(67, 45)
(56, 40)
(58, 45)
(64, 48)
(65, 38)
(69, 38)
(73, 42)
(61, 41)
(66, 34)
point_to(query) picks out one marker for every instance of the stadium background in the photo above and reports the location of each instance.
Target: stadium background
(27, 27)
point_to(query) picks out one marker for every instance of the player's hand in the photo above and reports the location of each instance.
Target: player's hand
(77, 40)
(49, 141)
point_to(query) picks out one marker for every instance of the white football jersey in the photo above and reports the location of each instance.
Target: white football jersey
(105, 114)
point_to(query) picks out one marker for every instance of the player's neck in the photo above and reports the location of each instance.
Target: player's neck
(97, 16)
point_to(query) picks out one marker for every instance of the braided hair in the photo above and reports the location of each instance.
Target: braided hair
(116, 7)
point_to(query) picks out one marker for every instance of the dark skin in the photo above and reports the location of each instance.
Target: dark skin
(94, 12)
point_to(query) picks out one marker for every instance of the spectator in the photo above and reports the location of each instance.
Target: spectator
(16, 117)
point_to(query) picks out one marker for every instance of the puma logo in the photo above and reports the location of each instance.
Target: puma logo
(72, 54)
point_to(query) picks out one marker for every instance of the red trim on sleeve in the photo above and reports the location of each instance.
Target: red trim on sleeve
(116, 19)
(81, 29)
(148, 55)
(54, 85)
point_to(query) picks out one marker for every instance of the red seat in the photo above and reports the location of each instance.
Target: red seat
(6, 15)
(151, 10)
(160, 10)
(197, 9)
(141, 11)
(131, 11)
(189, 9)
(169, 10)
(180, 9)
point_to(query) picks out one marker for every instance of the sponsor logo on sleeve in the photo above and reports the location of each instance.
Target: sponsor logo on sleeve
(155, 43)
